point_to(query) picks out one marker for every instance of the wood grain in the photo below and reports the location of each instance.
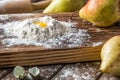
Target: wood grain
(42, 57)
(33, 55)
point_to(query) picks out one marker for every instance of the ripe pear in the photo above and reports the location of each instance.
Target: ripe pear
(110, 56)
(64, 6)
(102, 13)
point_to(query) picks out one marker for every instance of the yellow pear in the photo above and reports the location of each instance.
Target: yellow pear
(64, 6)
(110, 56)
(102, 13)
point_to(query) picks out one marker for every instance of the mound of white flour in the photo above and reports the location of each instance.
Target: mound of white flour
(55, 34)
(27, 29)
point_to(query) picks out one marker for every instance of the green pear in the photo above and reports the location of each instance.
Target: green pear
(102, 13)
(110, 56)
(64, 6)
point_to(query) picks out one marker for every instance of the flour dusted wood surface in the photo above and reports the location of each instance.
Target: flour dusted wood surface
(32, 55)
(77, 71)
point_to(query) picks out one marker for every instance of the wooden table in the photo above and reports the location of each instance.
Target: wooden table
(76, 71)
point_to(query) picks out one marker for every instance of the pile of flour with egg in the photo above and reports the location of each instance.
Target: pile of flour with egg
(44, 31)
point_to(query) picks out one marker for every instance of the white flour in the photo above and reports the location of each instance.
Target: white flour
(56, 34)
(28, 30)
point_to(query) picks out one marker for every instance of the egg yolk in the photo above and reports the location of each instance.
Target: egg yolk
(41, 24)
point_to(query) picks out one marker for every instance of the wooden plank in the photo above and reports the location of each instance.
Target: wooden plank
(41, 57)
(4, 72)
(79, 71)
(32, 55)
(45, 72)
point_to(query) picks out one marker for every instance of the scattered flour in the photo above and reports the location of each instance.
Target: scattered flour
(77, 71)
(97, 44)
(4, 17)
(50, 33)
